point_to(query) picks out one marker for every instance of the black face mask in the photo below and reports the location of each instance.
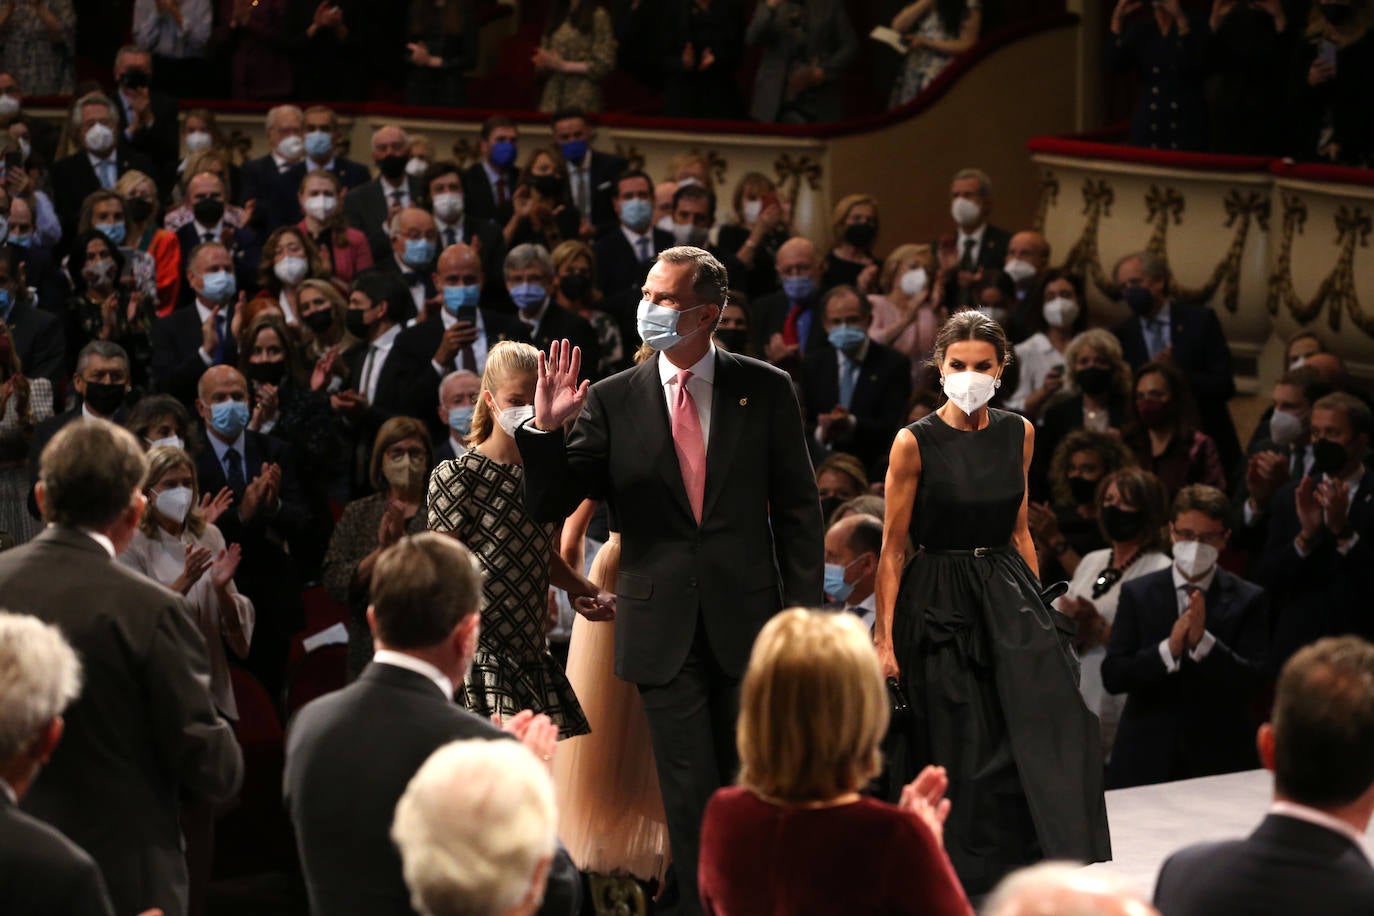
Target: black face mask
(393, 167)
(1338, 14)
(138, 209)
(208, 212)
(356, 322)
(320, 321)
(1094, 381)
(548, 186)
(736, 340)
(828, 506)
(267, 373)
(103, 398)
(1122, 524)
(860, 235)
(575, 286)
(1083, 490)
(1329, 457)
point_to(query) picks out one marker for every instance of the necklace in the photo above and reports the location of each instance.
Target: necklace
(1112, 574)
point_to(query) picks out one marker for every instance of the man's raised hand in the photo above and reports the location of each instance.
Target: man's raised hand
(558, 396)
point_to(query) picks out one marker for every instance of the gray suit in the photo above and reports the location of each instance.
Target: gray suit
(144, 731)
(800, 33)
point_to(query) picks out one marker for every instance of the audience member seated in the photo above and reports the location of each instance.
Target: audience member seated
(212, 221)
(103, 211)
(759, 228)
(1131, 514)
(101, 308)
(43, 273)
(1317, 560)
(322, 150)
(786, 322)
(624, 254)
(147, 116)
(490, 182)
(215, 161)
(1053, 313)
(1098, 393)
(402, 458)
(1187, 336)
(413, 243)
(1167, 49)
(179, 547)
(576, 291)
(45, 874)
(442, 46)
(1307, 854)
(345, 250)
(261, 65)
(270, 182)
(324, 338)
(933, 33)
(1188, 648)
(592, 174)
(796, 835)
(189, 341)
(855, 227)
(289, 258)
(143, 235)
(576, 52)
(541, 210)
(426, 593)
(1336, 63)
(99, 162)
(978, 245)
(446, 200)
(1067, 528)
(25, 404)
(907, 312)
(702, 46)
(457, 400)
(1163, 432)
(1065, 888)
(852, 545)
(371, 207)
(1028, 257)
(144, 735)
(530, 281)
(840, 478)
(36, 337)
(160, 419)
(854, 389)
(42, 136)
(806, 49)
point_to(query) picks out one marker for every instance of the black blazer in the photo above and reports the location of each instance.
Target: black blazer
(771, 310)
(401, 387)
(758, 547)
(73, 179)
(560, 324)
(479, 197)
(44, 272)
(605, 169)
(275, 191)
(39, 342)
(879, 401)
(161, 142)
(177, 366)
(1286, 866)
(366, 208)
(350, 174)
(144, 732)
(1197, 721)
(44, 873)
(338, 736)
(244, 247)
(618, 267)
(992, 255)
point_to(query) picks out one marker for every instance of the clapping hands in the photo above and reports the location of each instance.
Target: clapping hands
(924, 797)
(536, 732)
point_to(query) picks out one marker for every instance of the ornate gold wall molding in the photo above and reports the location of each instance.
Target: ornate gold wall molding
(793, 172)
(1084, 260)
(1336, 293)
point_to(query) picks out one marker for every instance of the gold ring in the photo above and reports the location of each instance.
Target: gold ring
(548, 757)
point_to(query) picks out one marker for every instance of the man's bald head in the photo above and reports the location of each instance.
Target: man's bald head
(1031, 247)
(1064, 889)
(216, 378)
(1329, 366)
(797, 257)
(460, 257)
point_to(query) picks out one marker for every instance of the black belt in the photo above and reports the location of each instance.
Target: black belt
(969, 551)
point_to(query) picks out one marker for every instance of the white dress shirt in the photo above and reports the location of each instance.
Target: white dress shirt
(220, 447)
(1036, 356)
(977, 236)
(418, 665)
(634, 239)
(389, 191)
(417, 292)
(1319, 819)
(701, 386)
(377, 352)
(867, 609)
(101, 539)
(1205, 644)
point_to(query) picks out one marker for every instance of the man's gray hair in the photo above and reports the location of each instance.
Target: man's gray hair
(1154, 266)
(710, 283)
(454, 376)
(984, 182)
(276, 111)
(405, 136)
(523, 257)
(40, 675)
(1065, 889)
(91, 472)
(89, 99)
(105, 349)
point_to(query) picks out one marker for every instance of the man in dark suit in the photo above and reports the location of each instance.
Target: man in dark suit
(371, 207)
(854, 389)
(702, 456)
(489, 183)
(101, 160)
(144, 734)
(1319, 557)
(268, 514)
(274, 180)
(1188, 648)
(42, 873)
(321, 149)
(446, 201)
(412, 243)
(147, 119)
(426, 592)
(35, 335)
(787, 324)
(852, 546)
(457, 399)
(206, 198)
(1189, 336)
(191, 340)
(624, 254)
(592, 174)
(979, 245)
(529, 281)
(1306, 856)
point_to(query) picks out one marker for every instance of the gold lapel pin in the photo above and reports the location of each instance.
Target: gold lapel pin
(743, 402)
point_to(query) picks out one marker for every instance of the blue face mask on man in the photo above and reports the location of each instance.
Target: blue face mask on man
(218, 286)
(527, 295)
(799, 289)
(847, 338)
(503, 153)
(658, 325)
(113, 231)
(228, 418)
(573, 151)
(833, 582)
(460, 420)
(636, 213)
(318, 144)
(418, 252)
(459, 297)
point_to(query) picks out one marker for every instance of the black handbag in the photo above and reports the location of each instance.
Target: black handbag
(896, 746)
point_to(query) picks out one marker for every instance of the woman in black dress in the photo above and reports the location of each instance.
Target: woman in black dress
(989, 670)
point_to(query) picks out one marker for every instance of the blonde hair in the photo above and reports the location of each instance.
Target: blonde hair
(1103, 342)
(507, 358)
(813, 708)
(921, 251)
(40, 675)
(163, 460)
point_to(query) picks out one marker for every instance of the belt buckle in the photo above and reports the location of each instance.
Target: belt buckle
(980, 552)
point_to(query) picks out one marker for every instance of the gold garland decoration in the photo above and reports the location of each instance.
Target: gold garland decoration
(792, 172)
(1049, 196)
(1337, 290)
(1084, 261)
(634, 159)
(465, 150)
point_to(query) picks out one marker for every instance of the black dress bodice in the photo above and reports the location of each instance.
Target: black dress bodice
(972, 482)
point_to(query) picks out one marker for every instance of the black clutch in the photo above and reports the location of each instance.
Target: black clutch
(897, 747)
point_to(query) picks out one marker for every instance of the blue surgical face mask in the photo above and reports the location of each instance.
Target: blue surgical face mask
(113, 231)
(573, 150)
(636, 213)
(5, 303)
(219, 286)
(502, 153)
(799, 289)
(847, 339)
(228, 418)
(460, 420)
(834, 583)
(457, 297)
(318, 144)
(21, 241)
(658, 325)
(527, 295)
(419, 252)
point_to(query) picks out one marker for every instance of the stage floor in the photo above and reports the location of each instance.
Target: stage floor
(1151, 822)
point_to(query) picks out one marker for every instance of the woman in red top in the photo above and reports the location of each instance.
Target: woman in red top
(795, 836)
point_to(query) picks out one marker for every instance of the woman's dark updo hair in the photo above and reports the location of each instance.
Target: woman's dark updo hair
(971, 324)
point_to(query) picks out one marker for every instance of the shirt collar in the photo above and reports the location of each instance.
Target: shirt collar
(281, 163)
(220, 446)
(387, 338)
(533, 320)
(1164, 316)
(109, 157)
(1318, 818)
(1204, 583)
(459, 448)
(858, 358)
(417, 665)
(216, 230)
(328, 166)
(389, 188)
(704, 368)
(100, 539)
(87, 414)
(633, 237)
(493, 175)
(976, 235)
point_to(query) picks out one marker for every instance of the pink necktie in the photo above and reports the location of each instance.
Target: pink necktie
(690, 446)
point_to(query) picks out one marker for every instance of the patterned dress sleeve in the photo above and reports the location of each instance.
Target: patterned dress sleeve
(449, 488)
(601, 61)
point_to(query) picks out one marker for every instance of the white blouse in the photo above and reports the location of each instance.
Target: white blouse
(1035, 357)
(162, 558)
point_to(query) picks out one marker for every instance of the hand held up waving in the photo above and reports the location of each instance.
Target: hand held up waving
(558, 396)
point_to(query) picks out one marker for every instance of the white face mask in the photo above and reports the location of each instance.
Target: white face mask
(321, 206)
(198, 140)
(750, 211)
(9, 106)
(1060, 312)
(914, 281)
(970, 390)
(1298, 362)
(290, 269)
(99, 139)
(173, 504)
(665, 223)
(416, 167)
(996, 312)
(1194, 558)
(1020, 271)
(512, 418)
(1284, 428)
(170, 441)
(965, 212)
(291, 148)
(448, 206)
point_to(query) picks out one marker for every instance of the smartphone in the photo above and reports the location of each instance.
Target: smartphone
(14, 160)
(1326, 52)
(467, 313)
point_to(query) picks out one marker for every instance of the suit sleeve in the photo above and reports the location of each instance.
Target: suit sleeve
(560, 472)
(49, 351)
(1239, 664)
(192, 740)
(1283, 566)
(563, 892)
(846, 44)
(174, 373)
(1215, 380)
(794, 506)
(1132, 660)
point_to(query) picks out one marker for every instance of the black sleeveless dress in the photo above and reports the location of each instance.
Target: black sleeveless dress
(989, 671)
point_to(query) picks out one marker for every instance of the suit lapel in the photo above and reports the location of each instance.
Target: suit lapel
(729, 413)
(655, 431)
(828, 386)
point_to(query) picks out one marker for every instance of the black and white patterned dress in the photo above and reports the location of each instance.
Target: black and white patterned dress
(481, 502)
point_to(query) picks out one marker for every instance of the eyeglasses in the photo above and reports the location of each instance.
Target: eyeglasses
(1211, 538)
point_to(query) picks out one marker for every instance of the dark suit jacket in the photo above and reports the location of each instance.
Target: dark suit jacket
(244, 247)
(350, 174)
(479, 198)
(44, 873)
(771, 312)
(618, 267)
(73, 179)
(560, 324)
(161, 142)
(992, 255)
(1200, 352)
(878, 404)
(366, 207)
(1286, 866)
(39, 342)
(1197, 721)
(343, 825)
(758, 547)
(605, 169)
(177, 366)
(143, 733)
(401, 387)
(43, 271)
(275, 191)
